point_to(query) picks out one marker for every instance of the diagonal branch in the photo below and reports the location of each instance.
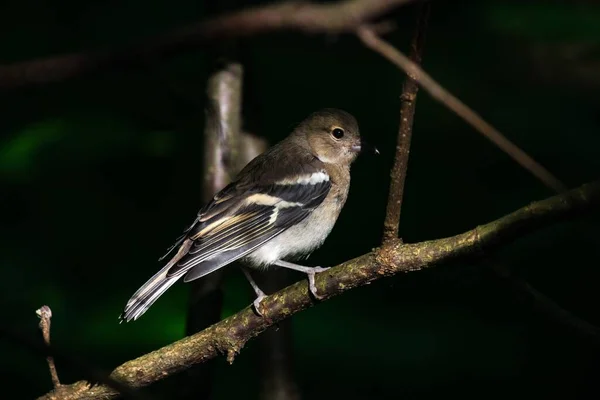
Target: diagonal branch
(374, 42)
(338, 17)
(230, 335)
(407, 114)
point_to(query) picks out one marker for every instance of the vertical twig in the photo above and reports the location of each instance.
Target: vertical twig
(277, 380)
(45, 314)
(407, 112)
(439, 93)
(221, 134)
(223, 127)
(226, 150)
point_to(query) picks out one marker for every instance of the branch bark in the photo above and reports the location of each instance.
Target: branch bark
(230, 335)
(223, 125)
(374, 42)
(407, 113)
(342, 16)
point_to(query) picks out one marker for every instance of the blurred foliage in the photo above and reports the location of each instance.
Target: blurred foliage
(101, 173)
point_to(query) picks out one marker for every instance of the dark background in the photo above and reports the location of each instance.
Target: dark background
(101, 173)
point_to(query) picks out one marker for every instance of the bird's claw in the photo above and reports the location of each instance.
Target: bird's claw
(311, 281)
(257, 304)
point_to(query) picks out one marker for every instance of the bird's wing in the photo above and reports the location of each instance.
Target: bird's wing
(219, 204)
(240, 219)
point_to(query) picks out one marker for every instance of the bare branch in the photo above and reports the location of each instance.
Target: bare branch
(407, 113)
(223, 125)
(342, 16)
(45, 314)
(230, 335)
(374, 42)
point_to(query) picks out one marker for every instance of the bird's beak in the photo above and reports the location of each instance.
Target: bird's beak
(364, 147)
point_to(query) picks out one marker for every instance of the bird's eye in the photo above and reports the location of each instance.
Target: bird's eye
(338, 133)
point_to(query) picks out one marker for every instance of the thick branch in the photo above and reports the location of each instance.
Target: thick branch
(374, 42)
(407, 113)
(342, 16)
(230, 335)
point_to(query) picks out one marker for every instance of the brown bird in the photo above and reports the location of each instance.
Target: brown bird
(281, 206)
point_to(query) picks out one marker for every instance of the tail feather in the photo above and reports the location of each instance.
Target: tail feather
(141, 300)
(145, 296)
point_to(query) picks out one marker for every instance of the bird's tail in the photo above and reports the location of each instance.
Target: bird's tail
(145, 296)
(141, 300)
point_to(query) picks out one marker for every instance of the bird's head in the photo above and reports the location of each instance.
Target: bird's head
(333, 136)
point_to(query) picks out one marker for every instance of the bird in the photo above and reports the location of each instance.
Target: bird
(281, 206)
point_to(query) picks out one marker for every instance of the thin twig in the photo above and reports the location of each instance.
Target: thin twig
(374, 42)
(311, 18)
(407, 113)
(45, 314)
(231, 334)
(90, 372)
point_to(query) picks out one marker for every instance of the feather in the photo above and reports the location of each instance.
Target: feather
(244, 215)
(145, 296)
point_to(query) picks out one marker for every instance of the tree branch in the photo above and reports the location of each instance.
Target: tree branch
(223, 125)
(407, 113)
(342, 16)
(230, 335)
(374, 42)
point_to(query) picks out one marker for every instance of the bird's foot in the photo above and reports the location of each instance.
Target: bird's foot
(311, 280)
(258, 306)
(260, 295)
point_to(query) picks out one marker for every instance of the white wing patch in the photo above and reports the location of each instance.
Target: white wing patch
(267, 200)
(311, 179)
